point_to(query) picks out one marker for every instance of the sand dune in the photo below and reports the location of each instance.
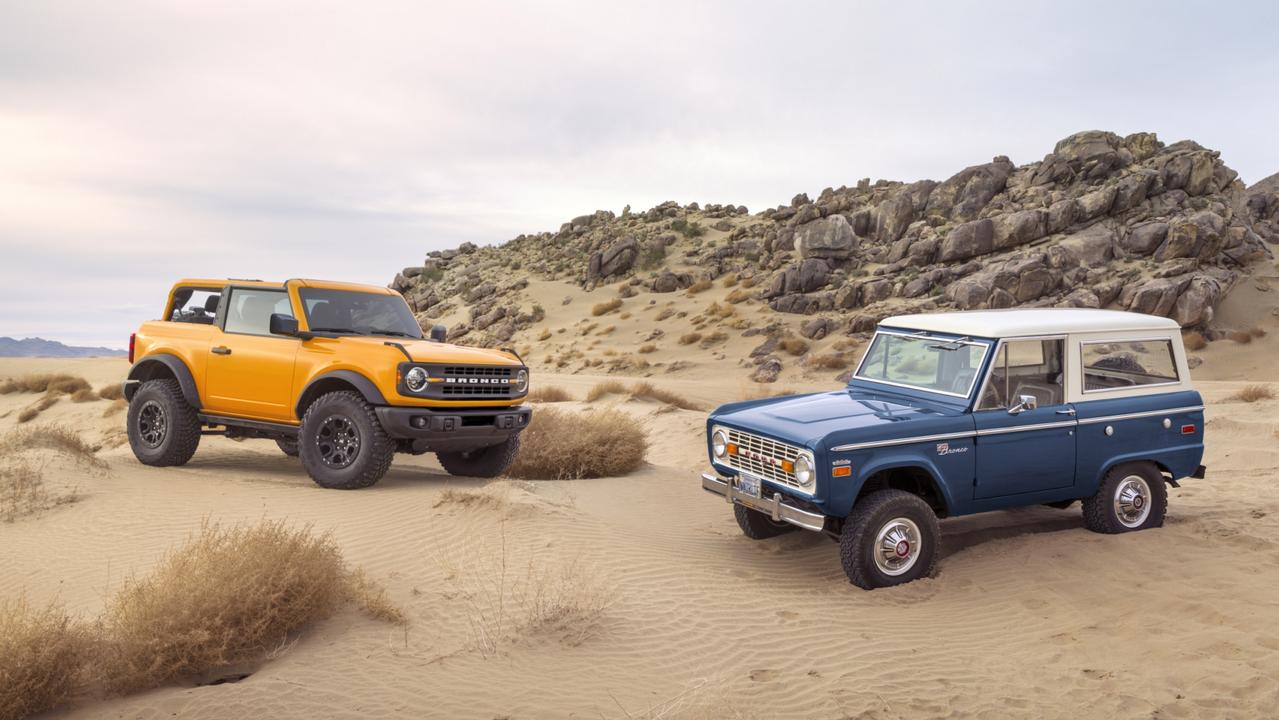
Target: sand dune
(637, 596)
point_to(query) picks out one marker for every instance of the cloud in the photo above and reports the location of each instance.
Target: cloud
(143, 141)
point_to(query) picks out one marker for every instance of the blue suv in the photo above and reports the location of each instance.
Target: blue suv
(959, 413)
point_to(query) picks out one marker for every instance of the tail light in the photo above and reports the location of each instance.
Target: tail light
(133, 340)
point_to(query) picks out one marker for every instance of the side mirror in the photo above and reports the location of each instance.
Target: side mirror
(1024, 403)
(284, 324)
(439, 333)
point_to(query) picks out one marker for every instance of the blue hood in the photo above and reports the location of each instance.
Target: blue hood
(844, 416)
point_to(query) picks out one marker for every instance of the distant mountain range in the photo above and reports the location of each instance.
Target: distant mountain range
(39, 347)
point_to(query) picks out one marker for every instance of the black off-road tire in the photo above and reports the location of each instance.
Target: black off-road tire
(329, 468)
(176, 442)
(758, 526)
(1101, 513)
(877, 512)
(288, 447)
(485, 462)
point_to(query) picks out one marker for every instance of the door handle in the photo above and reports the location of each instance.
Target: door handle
(221, 350)
(1069, 411)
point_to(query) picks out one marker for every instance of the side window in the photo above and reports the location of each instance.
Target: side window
(1025, 367)
(249, 310)
(1127, 363)
(195, 305)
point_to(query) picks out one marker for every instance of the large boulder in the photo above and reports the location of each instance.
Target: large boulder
(1092, 154)
(1093, 246)
(1194, 306)
(615, 259)
(1144, 238)
(967, 240)
(669, 282)
(1196, 236)
(1154, 297)
(802, 277)
(963, 196)
(829, 237)
(1017, 228)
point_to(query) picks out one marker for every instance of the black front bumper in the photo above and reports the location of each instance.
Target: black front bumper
(453, 429)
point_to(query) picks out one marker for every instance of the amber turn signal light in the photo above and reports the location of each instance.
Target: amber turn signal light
(732, 449)
(842, 471)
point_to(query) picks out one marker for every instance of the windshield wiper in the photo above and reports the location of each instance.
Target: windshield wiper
(392, 333)
(335, 330)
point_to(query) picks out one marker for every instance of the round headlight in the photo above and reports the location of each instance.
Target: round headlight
(804, 470)
(521, 381)
(719, 443)
(415, 379)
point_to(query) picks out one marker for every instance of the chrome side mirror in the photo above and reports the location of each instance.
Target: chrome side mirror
(1024, 403)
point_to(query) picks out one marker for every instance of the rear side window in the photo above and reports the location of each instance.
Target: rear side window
(1127, 363)
(249, 310)
(195, 305)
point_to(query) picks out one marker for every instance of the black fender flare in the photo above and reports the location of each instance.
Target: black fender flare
(145, 369)
(362, 385)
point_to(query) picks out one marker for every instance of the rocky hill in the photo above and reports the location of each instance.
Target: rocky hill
(1101, 221)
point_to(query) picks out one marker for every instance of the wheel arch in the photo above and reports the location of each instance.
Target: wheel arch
(1118, 460)
(337, 381)
(161, 366)
(914, 476)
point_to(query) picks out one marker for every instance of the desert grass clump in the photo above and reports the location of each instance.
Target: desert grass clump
(714, 338)
(1253, 393)
(45, 382)
(544, 336)
(1194, 340)
(831, 361)
(647, 391)
(114, 391)
(1242, 337)
(606, 307)
(23, 492)
(1257, 332)
(794, 345)
(44, 654)
(605, 388)
(689, 338)
(700, 286)
(84, 396)
(737, 296)
(646, 348)
(561, 445)
(548, 394)
(370, 597)
(231, 594)
(31, 412)
(115, 408)
(52, 437)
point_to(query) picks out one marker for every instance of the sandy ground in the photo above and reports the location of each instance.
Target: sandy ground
(661, 608)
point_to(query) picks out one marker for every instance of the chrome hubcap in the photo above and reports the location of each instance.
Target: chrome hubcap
(152, 424)
(1132, 501)
(338, 441)
(897, 546)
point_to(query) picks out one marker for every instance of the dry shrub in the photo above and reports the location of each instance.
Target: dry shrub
(845, 344)
(23, 492)
(115, 407)
(760, 392)
(561, 445)
(84, 396)
(1253, 393)
(370, 597)
(1242, 337)
(229, 595)
(751, 281)
(665, 314)
(544, 336)
(608, 387)
(737, 296)
(646, 391)
(689, 338)
(53, 437)
(714, 338)
(646, 348)
(700, 286)
(28, 414)
(832, 361)
(716, 310)
(114, 391)
(730, 280)
(607, 331)
(473, 499)
(1257, 332)
(794, 345)
(548, 394)
(43, 657)
(605, 307)
(46, 382)
(1194, 340)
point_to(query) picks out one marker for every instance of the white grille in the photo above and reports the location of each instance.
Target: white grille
(762, 457)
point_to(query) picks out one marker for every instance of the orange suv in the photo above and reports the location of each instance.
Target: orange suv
(336, 373)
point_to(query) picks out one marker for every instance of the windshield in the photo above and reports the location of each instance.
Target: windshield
(932, 364)
(358, 312)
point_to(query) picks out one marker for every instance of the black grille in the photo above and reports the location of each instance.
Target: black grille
(482, 371)
(474, 391)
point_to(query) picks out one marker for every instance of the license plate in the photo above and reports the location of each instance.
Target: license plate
(747, 485)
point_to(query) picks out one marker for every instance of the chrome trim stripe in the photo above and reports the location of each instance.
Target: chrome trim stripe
(1148, 413)
(902, 441)
(1026, 428)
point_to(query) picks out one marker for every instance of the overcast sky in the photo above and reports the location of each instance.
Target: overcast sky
(144, 142)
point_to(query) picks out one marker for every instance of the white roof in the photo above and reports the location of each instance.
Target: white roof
(1018, 322)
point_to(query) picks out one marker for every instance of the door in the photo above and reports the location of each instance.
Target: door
(250, 371)
(1025, 428)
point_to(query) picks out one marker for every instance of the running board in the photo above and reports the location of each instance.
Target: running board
(259, 425)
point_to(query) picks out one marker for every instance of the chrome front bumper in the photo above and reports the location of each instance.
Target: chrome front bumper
(773, 507)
